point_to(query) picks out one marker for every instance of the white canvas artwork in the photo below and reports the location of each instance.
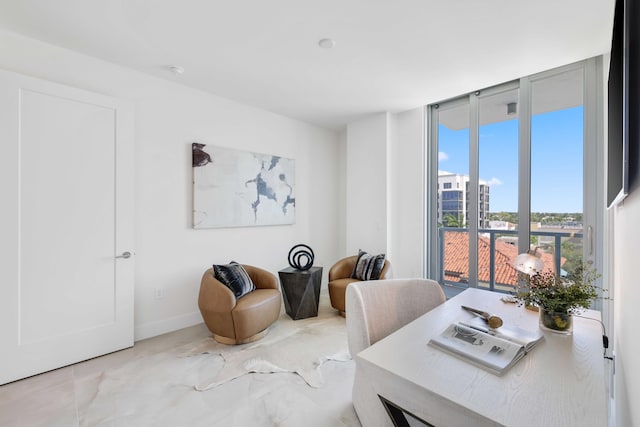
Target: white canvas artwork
(233, 188)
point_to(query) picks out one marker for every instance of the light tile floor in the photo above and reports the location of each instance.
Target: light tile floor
(153, 387)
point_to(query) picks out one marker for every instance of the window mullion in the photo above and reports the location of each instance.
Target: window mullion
(524, 166)
(431, 268)
(474, 124)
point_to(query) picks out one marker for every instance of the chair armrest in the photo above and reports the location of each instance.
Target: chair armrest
(343, 268)
(214, 296)
(357, 326)
(261, 278)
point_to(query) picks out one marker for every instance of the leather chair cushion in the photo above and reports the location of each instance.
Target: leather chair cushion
(337, 292)
(255, 312)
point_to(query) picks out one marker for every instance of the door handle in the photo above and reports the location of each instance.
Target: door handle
(124, 255)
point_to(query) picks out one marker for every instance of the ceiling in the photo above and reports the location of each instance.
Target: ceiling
(388, 55)
(553, 92)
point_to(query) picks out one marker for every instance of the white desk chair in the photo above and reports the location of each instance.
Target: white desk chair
(377, 308)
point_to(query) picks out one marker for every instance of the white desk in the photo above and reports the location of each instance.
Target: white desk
(560, 383)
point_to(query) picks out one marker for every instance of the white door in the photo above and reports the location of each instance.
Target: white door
(66, 185)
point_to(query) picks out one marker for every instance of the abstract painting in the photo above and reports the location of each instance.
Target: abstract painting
(233, 188)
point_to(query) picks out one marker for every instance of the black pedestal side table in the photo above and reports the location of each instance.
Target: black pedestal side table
(301, 291)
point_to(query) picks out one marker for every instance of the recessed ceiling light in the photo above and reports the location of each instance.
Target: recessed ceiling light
(326, 43)
(176, 69)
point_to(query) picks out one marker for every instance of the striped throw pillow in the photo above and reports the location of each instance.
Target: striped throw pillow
(234, 277)
(368, 267)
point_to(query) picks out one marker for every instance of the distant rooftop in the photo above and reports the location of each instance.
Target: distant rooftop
(456, 256)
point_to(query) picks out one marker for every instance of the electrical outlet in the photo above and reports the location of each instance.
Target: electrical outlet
(158, 293)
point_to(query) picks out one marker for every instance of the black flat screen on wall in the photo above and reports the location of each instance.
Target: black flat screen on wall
(623, 102)
(617, 144)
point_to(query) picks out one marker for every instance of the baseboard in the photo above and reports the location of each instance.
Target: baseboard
(153, 329)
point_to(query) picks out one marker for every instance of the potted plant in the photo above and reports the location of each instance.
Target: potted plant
(558, 298)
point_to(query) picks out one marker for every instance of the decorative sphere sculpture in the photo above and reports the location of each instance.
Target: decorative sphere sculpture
(297, 254)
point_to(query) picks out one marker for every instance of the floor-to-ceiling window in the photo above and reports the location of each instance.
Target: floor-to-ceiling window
(513, 171)
(498, 123)
(452, 187)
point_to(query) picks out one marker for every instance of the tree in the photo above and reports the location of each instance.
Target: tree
(451, 220)
(572, 252)
(511, 217)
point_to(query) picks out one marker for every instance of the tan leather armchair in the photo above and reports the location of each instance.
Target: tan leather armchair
(243, 320)
(340, 278)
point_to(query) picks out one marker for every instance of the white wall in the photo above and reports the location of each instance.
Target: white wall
(384, 189)
(341, 207)
(366, 185)
(170, 255)
(406, 193)
(626, 296)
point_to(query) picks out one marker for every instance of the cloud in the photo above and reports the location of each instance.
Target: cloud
(494, 181)
(442, 156)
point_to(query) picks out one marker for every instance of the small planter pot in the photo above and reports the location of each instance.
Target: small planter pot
(560, 323)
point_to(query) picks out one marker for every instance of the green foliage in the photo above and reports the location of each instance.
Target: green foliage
(572, 252)
(511, 217)
(542, 217)
(452, 221)
(568, 294)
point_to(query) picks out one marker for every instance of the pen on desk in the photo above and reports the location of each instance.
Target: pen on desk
(492, 320)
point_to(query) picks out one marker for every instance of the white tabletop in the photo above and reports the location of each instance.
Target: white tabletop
(560, 383)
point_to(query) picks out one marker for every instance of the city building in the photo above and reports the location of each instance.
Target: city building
(453, 200)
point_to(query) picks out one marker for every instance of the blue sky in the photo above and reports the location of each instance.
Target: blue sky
(556, 160)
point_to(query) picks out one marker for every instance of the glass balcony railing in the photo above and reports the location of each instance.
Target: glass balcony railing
(560, 251)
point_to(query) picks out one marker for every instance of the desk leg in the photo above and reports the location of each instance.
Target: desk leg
(397, 415)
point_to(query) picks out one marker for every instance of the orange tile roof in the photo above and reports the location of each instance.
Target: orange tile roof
(456, 259)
